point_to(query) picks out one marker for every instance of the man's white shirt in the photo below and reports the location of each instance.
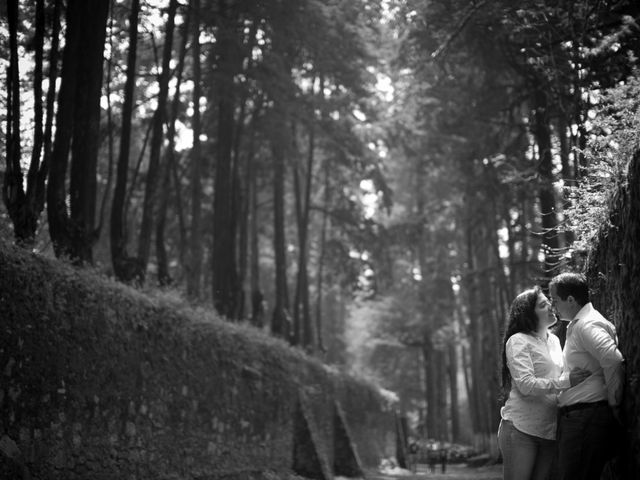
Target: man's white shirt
(592, 344)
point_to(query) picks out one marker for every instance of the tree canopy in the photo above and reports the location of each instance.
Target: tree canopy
(373, 181)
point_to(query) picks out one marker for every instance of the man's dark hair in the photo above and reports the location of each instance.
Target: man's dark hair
(571, 284)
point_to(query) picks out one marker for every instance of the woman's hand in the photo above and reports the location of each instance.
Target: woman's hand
(578, 375)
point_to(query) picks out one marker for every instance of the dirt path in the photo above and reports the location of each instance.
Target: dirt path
(454, 472)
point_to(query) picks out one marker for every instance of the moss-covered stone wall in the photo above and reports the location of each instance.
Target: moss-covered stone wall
(99, 381)
(614, 276)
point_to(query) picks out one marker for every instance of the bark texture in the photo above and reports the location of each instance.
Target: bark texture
(613, 270)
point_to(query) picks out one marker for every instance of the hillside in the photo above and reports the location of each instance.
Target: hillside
(104, 381)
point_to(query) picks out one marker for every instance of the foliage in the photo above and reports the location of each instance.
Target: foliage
(612, 143)
(416, 143)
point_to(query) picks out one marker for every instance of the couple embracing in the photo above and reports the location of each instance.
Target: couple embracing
(563, 402)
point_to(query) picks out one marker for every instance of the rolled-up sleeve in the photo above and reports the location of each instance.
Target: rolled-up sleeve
(601, 342)
(521, 367)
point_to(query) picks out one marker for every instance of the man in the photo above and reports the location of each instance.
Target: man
(587, 427)
(414, 451)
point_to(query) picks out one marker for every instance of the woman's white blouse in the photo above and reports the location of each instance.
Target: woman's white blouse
(536, 368)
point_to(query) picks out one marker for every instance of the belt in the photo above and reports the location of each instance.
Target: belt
(582, 406)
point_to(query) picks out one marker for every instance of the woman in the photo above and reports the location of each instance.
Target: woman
(532, 367)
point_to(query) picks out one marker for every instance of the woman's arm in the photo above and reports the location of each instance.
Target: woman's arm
(518, 350)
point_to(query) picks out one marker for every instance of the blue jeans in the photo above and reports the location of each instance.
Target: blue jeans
(524, 456)
(587, 440)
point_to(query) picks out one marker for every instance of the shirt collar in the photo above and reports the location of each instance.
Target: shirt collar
(583, 312)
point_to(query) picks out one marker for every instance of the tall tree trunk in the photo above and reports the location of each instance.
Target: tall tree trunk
(512, 259)
(281, 322)
(281, 143)
(224, 270)
(580, 110)
(78, 118)
(470, 355)
(257, 297)
(241, 206)
(296, 337)
(150, 205)
(442, 381)
(13, 190)
(480, 283)
(567, 174)
(162, 256)
(318, 324)
(452, 369)
(110, 130)
(38, 132)
(242, 202)
(523, 222)
(243, 248)
(429, 325)
(431, 390)
(86, 129)
(194, 271)
(58, 215)
(54, 54)
(469, 388)
(474, 287)
(164, 277)
(443, 309)
(303, 207)
(134, 184)
(125, 267)
(25, 206)
(35, 188)
(242, 177)
(321, 258)
(180, 210)
(542, 133)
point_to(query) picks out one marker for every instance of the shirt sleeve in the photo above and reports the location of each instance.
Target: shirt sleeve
(602, 345)
(522, 372)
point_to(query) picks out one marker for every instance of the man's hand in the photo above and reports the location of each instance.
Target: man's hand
(578, 375)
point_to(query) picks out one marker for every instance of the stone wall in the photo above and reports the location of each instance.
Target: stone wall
(102, 382)
(614, 275)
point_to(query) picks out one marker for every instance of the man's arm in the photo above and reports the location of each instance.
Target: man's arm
(601, 342)
(614, 379)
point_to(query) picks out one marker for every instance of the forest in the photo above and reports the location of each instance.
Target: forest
(372, 181)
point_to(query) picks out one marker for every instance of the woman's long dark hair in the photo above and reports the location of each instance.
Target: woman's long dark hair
(522, 318)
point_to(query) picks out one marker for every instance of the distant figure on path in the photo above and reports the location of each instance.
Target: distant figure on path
(432, 456)
(532, 373)
(443, 459)
(587, 425)
(414, 450)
